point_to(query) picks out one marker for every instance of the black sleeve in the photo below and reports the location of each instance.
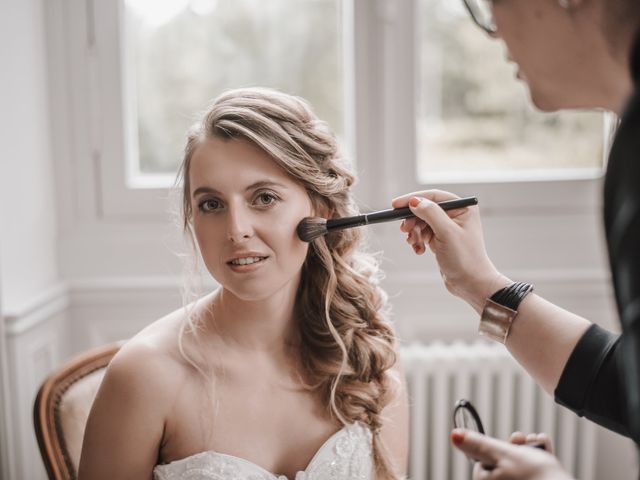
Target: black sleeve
(592, 383)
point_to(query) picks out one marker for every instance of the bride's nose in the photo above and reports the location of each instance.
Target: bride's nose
(239, 225)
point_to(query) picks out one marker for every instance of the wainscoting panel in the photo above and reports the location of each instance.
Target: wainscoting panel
(105, 310)
(37, 342)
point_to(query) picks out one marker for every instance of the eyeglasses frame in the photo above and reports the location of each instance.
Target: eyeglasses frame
(466, 405)
(490, 29)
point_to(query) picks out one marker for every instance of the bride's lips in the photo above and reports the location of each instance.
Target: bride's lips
(248, 267)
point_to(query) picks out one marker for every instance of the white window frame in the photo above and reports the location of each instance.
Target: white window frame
(380, 86)
(115, 105)
(397, 140)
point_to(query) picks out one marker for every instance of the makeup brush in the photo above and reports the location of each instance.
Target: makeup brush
(311, 228)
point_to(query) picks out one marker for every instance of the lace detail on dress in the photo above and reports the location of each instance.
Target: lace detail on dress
(344, 456)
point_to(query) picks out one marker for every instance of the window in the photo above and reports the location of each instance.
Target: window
(475, 122)
(419, 96)
(181, 54)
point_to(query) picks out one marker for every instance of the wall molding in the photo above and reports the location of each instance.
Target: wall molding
(7, 456)
(37, 310)
(571, 287)
(421, 307)
(546, 276)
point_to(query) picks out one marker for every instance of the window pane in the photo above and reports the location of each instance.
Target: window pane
(475, 120)
(183, 53)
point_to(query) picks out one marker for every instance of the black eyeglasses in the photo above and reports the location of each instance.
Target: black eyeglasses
(466, 416)
(482, 13)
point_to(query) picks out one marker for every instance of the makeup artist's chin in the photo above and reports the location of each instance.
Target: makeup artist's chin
(545, 98)
(544, 103)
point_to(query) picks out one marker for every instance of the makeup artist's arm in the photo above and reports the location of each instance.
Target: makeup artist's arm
(543, 336)
(578, 362)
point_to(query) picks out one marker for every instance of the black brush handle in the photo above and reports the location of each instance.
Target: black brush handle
(393, 214)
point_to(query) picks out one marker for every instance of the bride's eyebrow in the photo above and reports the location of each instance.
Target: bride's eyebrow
(253, 186)
(265, 184)
(201, 190)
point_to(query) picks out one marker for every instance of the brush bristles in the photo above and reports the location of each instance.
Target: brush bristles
(311, 228)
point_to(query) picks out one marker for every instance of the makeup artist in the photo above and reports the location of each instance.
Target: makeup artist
(573, 54)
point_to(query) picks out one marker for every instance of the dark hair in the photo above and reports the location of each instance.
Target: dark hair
(621, 22)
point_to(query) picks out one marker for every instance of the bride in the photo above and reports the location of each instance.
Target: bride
(288, 370)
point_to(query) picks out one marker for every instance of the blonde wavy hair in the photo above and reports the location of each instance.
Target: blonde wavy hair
(347, 344)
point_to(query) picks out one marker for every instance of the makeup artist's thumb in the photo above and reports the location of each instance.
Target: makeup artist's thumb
(431, 213)
(483, 449)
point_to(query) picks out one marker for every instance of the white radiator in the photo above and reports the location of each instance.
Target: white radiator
(504, 395)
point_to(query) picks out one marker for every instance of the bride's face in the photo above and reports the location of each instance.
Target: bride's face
(245, 213)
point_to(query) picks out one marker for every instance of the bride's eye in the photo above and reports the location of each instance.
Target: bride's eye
(266, 198)
(210, 205)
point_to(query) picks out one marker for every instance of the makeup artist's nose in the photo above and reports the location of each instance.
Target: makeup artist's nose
(239, 226)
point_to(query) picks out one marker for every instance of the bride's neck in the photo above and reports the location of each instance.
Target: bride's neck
(260, 325)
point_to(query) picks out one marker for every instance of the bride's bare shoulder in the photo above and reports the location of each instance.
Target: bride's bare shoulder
(133, 403)
(157, 346)
(159, 360)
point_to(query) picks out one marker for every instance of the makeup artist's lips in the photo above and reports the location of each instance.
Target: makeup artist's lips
(518, 72)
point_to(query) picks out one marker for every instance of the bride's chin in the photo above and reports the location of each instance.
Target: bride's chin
(250, 295)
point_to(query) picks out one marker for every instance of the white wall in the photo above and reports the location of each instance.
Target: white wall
(101, 294)
(28, 223)
(28, 204)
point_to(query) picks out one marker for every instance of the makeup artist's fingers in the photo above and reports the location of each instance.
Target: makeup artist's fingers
(416, 232)
(482, 448)
(509, 461)
(433, 195)
(546, 441)
(419, 237)
(419, 230)
(412, 223)
(519, 438)
(414, 239)
(540, 439)
(431, 213)
(456, 240)
(408, 224)
(418, 243)
(437, 196)
(427, 235)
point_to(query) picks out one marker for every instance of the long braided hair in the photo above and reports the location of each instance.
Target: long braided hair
(347, 344)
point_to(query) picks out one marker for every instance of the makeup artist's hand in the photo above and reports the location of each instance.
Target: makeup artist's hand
(455, 238)
(519, 438)
(510, 460)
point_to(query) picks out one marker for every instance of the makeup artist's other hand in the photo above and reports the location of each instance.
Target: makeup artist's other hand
(519, 438)
(510, 460)
(455, 238)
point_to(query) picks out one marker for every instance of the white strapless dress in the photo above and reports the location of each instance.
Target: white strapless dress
(346, 455)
